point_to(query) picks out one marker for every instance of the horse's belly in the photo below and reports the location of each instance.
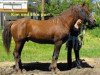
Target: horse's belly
(42, 41)
(48, 38)
(40, 37)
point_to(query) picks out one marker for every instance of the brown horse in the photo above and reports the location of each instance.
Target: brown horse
(53, 31)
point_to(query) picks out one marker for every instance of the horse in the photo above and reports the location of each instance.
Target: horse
(52, 31)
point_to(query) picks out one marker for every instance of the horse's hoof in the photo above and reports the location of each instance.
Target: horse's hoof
(16, 69)
(51, 67)
(56, 71)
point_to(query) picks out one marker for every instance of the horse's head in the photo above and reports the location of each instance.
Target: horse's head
(91, 21)
(85, 15)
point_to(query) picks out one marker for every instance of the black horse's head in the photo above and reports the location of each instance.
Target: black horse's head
(91, 21)
(86, 15)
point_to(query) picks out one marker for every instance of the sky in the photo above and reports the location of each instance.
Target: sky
(95, 1)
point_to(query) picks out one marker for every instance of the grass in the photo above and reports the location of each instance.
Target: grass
(91, 45)
(37, 52)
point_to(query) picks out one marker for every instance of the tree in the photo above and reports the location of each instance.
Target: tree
(42, 10)
(55, 7)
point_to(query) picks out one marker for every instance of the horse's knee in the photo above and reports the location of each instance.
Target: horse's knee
(16, 54)
(55, 56)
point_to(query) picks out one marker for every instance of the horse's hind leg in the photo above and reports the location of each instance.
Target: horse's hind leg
(57, 47)
(17, 55)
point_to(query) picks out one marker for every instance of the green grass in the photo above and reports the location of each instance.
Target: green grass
(91, 45)
(37, 52)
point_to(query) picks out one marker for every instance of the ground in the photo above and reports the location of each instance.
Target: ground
(91, 66)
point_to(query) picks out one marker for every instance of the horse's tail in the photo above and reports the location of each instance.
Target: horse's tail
(6, 35)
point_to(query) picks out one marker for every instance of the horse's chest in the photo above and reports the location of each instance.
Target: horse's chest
(61, 35)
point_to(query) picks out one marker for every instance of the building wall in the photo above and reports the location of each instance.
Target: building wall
(1, 20)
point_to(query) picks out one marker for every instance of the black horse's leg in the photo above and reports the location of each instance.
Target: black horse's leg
(76, 50)
(69, 54)
(17, 55)
(57, 47)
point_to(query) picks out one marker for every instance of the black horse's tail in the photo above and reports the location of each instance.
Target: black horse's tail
(6, 35)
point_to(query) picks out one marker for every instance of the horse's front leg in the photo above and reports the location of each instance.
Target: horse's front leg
(57, 47)
(17, 55)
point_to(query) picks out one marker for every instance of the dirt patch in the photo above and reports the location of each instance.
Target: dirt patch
(91, 66)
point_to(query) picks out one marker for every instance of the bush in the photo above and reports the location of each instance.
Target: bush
(55, 7)
(97, 20)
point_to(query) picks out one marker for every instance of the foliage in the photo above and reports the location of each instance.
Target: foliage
(96, 11)
(55, 7)
(97, 20)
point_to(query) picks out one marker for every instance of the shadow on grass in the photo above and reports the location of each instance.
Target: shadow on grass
(45, 66)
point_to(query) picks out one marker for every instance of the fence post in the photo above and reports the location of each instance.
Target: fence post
(42, 11)
(2, 20)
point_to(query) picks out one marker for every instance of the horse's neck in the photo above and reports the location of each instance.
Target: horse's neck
(69, 19)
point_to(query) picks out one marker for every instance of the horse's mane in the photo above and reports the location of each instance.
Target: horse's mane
(71, 9)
